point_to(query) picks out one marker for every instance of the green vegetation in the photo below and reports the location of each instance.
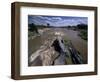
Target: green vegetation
(48, 24)
(82, 26)
(83, 31)
(65, 41)
(83, 34)
(33, 28)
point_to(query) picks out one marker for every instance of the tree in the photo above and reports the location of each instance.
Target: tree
(48, 24)
(82, 26)
(32, 28)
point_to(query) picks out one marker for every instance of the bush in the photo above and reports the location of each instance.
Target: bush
(33, 28)
(82, 26)
(83, 34)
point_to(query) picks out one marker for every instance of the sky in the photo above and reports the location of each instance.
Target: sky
(56, 20)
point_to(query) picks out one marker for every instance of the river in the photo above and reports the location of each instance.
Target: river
(79, 44)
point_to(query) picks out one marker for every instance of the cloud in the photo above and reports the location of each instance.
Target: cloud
(57, 20)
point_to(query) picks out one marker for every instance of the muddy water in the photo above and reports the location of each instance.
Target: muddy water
(79, 44)
(34, 44)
